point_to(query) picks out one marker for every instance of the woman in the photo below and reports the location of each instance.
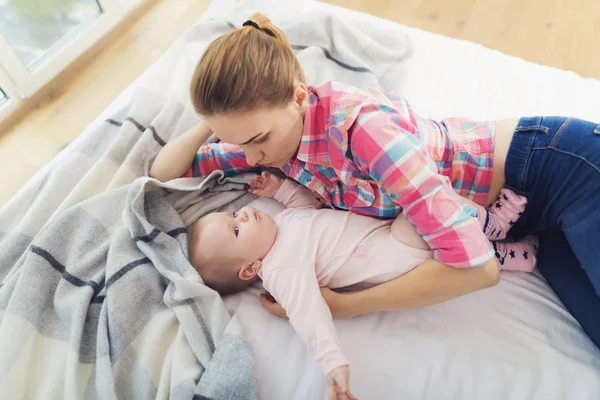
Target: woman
(369, 152)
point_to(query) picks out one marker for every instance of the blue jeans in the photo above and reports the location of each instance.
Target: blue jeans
(555, 162)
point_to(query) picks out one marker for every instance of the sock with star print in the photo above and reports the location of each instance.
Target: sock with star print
(519, 256)
(504, 213)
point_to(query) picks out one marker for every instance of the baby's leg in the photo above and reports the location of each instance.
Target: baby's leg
(494, 222)
(497, 220)
(519, 256)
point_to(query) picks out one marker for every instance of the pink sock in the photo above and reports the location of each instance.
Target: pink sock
(504, 213)
(519, 256)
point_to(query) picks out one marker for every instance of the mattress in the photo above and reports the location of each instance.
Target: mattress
(513, 341)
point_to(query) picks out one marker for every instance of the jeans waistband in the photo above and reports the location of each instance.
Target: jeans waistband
(531, 124)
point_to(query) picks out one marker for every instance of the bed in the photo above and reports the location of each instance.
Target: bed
(513, 341)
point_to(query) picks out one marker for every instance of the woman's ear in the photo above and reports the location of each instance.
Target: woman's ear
(301, 96)
(249, 271)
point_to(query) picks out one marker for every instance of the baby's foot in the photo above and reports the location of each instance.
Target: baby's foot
(502, 215)
(519, 256)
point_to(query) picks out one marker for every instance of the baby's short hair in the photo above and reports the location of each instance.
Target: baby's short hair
(220, 272)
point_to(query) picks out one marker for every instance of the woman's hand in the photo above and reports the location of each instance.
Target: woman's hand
(338, 304)
(265, 185)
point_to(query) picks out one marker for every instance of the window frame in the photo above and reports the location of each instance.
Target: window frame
(20, 83)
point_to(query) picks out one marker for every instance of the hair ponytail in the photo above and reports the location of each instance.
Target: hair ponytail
(246, 69)
(264, 24)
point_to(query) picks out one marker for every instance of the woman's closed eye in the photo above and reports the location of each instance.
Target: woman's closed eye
(261, 140)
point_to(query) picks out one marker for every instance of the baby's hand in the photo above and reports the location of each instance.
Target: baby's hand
(265, 185)
(338, 382)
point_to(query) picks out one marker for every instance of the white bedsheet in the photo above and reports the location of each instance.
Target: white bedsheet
(513, 341)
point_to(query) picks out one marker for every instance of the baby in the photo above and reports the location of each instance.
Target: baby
(306, 247)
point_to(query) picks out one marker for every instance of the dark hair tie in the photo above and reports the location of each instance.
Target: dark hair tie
(263, 30)
(252, 24)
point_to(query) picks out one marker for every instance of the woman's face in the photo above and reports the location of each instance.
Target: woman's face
(268, 137)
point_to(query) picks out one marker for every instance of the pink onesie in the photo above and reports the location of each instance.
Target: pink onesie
(322, 247)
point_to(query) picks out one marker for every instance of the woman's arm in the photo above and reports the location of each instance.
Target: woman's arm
(392, 154)
(387, 146)
(430, 283)
(188, 156)
(177, 156)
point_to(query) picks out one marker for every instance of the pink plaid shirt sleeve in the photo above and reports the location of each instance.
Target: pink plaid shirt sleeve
(226, 157)
(389, 149)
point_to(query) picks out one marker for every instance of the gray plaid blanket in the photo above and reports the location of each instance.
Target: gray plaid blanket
(97, 296)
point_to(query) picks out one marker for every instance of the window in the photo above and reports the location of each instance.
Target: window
(36, 29)
(39, 38)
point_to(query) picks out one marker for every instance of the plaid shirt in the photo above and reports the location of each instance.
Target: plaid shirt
(368, 152)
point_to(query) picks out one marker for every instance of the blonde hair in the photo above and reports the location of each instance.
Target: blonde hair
(246, 69)
(219, 273)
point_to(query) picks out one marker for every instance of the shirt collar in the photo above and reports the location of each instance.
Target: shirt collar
(313, 143)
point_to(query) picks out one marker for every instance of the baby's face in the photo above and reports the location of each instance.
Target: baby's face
(247, 234)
